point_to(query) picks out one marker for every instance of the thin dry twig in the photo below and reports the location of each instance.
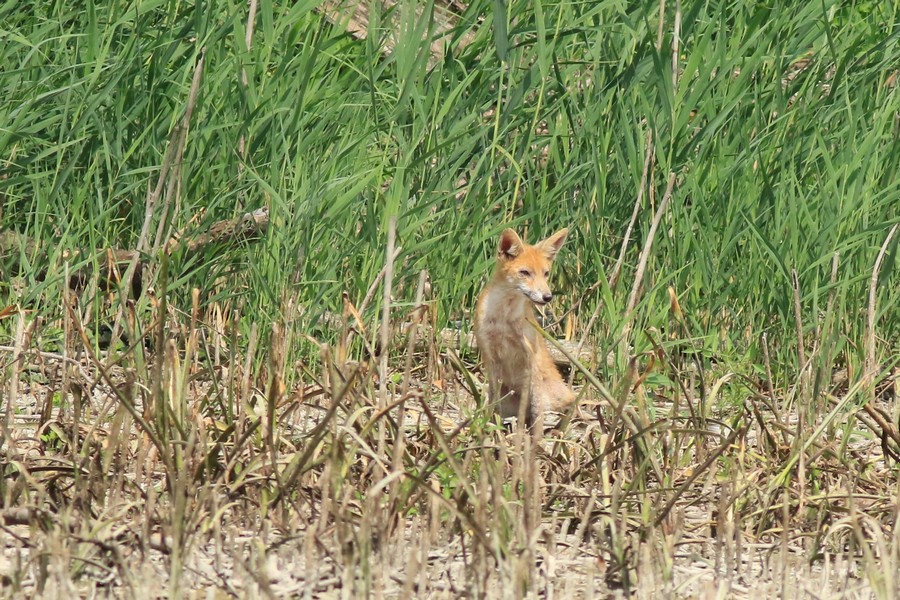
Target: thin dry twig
(386, 328)
(248, 39)
(13, 389)
(370, 293)
(869, 374)
(173, 189)
(648, 244)
(620, 261)
(798, 318)
(662, 22)
(676, 43)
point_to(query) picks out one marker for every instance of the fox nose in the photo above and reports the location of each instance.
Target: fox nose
(548, 297)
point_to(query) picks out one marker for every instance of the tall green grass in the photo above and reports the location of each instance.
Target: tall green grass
(780, 124)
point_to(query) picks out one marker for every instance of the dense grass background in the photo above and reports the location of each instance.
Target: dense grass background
(780, 124)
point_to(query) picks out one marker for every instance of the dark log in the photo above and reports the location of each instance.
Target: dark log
(114, 262)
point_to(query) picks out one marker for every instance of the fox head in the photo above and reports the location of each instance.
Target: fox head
(527, 267)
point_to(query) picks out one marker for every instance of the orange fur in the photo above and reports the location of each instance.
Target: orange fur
(518, 365)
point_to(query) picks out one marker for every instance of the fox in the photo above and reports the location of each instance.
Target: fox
(518, 365)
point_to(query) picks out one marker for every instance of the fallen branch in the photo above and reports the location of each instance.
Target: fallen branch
(248, 227)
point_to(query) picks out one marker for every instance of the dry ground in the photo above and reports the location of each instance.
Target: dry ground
(97, 519)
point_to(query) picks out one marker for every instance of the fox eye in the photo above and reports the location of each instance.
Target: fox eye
(546, 273)
(524, 272)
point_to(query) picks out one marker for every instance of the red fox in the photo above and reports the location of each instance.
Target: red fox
(518, 365)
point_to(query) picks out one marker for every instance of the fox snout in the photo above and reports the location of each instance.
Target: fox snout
(537, 296)
(541, 297)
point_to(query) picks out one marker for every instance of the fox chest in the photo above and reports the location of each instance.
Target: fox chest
(505, 338)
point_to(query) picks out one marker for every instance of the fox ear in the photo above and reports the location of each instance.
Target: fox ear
(510, 244)
(552, 244)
